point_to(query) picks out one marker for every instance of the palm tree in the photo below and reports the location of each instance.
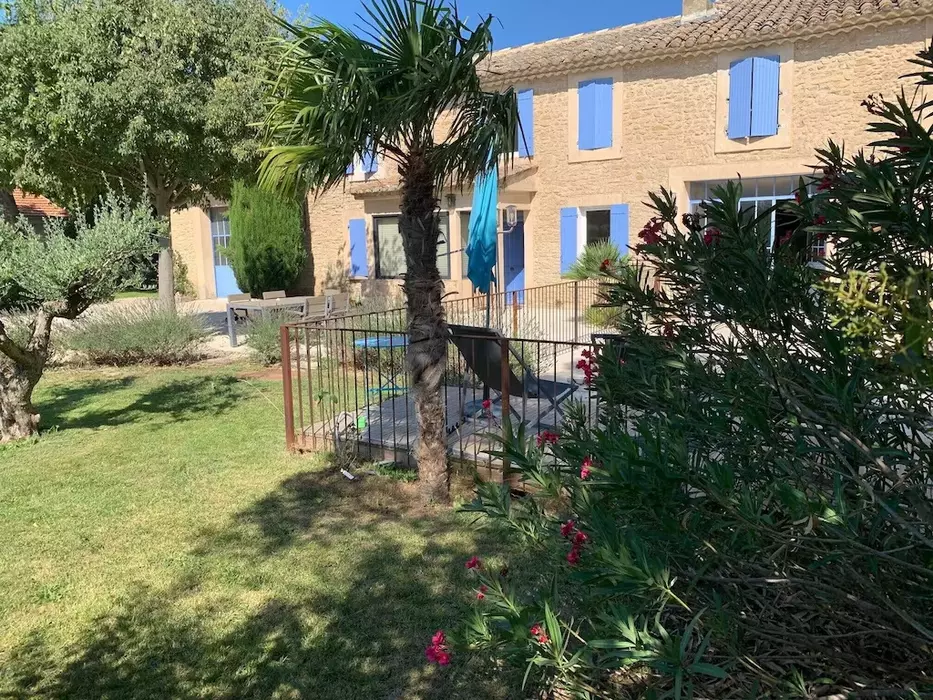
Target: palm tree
(409, 88)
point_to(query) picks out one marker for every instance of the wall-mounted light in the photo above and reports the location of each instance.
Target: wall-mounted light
(451, 201)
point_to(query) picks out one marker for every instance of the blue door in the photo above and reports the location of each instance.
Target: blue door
(514, 260)
(224, 281)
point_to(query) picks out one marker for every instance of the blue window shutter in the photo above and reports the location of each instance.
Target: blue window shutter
(370, 163)
(359, 260)
(526, 115)
(350, 169)
(766, 87)
(568, 238)
(604, 113)
(586, 112)
(740, 98)
(618, 227)
(595, 114)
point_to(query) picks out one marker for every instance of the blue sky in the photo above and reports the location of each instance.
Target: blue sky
(523, 21)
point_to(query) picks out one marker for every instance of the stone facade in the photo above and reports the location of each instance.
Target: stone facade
(671, 131)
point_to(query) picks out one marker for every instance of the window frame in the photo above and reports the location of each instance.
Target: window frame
(219, 259)
(377, 265)
(784, 136)
(813, 259)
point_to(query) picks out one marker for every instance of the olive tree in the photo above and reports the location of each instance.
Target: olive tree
(58, 275)
(158, 95)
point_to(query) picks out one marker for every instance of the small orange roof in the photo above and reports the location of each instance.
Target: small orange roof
(36, 205)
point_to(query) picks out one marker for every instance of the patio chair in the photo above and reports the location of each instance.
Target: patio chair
(337, 303)
(242, 313)
(278, 294)
(481, 348)
(315, 309)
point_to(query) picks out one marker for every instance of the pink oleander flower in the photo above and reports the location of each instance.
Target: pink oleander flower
(585, 468)
(474, 563)
(481, 593)
(567, 528)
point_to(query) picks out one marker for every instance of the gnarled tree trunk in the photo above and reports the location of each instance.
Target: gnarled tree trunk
(21, 369)
(18, 418)
(427, 348)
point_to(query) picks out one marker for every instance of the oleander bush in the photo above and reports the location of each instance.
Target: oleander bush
(748, 514)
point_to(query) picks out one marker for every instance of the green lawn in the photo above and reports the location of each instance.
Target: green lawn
(137, 294)
(158, 542)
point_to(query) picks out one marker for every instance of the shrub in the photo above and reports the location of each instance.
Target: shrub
(591, 264)
(263, 337)
(137, 333)
(267, 250)
(747, 512)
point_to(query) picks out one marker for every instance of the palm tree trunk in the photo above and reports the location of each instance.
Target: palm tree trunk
(427, 349)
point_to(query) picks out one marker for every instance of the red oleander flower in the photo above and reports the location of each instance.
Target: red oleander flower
(785, 239)
(712, 235)
(606, 265)
(535, 630)
(547, 437)
(820, 220)
(798, 197)
(580, 538)
(437, 651)
(668, 330)
(487, 404)
(567, 528)
(588, 354)
(481, 593)
(584, 472)
(573, 556)
(825, 184)
(474, 563)
(651, 233)
(582, 364)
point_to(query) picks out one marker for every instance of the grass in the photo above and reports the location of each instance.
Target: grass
(158, 542)
(137, 294)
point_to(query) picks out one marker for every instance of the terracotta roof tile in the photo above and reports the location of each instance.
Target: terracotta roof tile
(36, 205)
(731, 23)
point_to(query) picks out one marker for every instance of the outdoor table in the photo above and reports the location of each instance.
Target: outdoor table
(386, 341)
(263, 306)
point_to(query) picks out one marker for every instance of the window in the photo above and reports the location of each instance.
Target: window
(594, 110)
(220, 234)
(597, 226)
(464, 240)
(390, 252)
(758, 196)
(754, 93)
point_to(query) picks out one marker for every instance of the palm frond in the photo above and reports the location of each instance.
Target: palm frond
(408, 82)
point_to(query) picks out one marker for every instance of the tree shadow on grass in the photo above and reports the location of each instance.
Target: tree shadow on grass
(113, 402)
(350, 621)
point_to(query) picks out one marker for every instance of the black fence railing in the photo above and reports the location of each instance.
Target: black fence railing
(564, 311)
(349, 390)
(347, 387)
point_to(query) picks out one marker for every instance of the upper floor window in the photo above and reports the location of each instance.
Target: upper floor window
(594, 111)
(754, 96)
(364, 167)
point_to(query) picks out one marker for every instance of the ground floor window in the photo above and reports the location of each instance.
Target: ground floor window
(220, 234)
(758, 196)
(390, 252)
(597, 222)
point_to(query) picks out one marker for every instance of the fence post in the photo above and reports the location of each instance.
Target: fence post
(287, 388)
(515, 314)
(506, 370)
(576, 310)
